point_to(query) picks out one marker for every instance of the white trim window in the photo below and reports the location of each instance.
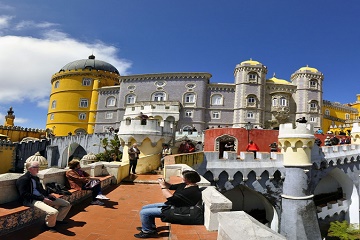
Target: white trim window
(189, 98)
(275, 102)
(82, 116)
(57, 84)
(130, 99)
(215, 115)
(250, 115)
(159, 97)
(216, 99)
(189, 113)
(347, 116)
(109, 115)
(52, 116)
(312, 119)
(84, 103)
(327, 112)
(53, 104)
(313, 84)
(111, 101)
(252, 77)
(86, 81)
(283, 102)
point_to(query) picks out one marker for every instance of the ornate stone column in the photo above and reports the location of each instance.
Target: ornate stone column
(298, 215)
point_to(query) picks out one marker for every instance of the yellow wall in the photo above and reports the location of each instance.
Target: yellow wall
(6, 158)
(68, 94)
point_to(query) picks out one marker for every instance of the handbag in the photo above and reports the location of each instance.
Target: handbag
(91, 183)
(189, 215)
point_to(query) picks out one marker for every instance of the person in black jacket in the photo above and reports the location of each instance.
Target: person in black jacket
(33, 194)
(188, 189)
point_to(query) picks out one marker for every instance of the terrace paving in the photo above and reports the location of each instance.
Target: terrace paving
(117, 218)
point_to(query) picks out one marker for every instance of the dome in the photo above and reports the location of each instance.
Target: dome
(90, 63)
(43, 163)
(277, 81)
(307, 68)
(88, 158)
(250, 62)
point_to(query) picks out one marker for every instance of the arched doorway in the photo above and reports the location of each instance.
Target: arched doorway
(74, 150)
(222, 140)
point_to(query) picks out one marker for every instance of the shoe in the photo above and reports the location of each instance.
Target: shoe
(61, 222)
(140, 229)
(103, 197)
(51, 229)
(142, 234)
(97, 202)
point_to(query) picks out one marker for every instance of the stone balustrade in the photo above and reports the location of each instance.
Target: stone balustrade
(332, 208)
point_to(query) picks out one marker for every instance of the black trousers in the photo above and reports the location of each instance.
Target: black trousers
(133, 164)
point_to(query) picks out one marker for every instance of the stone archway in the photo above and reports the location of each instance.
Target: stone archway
(74, 150)
(222, 140)
(338, 190)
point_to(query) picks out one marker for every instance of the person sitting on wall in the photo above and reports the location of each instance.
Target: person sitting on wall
(33, 194)
(229, 146)
(301, 120)
(184, 147)
(327, 141)
(78, 179)
(334, 140)
(186, 190)
(273, 147)
(252, 147)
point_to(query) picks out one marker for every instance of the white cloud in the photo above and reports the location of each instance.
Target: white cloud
(31, 24)
(27, 63)
(20, 121)
(5, 21)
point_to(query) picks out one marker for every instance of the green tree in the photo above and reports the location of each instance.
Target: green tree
(344, 231)
(110, 146)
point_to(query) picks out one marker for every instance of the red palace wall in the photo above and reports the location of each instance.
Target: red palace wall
(262, 137)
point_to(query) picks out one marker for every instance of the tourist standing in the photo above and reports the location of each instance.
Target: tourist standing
(134, 153)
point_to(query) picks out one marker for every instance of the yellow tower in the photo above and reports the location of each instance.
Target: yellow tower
(74, 95)
(9, 118)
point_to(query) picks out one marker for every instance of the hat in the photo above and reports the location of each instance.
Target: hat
(328, 137)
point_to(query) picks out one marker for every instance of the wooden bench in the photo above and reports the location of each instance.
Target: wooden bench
(14, 216)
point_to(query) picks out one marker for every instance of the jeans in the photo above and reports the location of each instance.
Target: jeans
(148, 213)
(96, 190)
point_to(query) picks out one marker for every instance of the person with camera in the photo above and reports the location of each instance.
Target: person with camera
(186, 193)
(33, 194)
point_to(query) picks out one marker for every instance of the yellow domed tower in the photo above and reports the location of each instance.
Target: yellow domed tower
(74, 95)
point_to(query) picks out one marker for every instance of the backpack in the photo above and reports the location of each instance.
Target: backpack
(57, 188)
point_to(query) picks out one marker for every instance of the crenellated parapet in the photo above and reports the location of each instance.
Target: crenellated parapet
(296, 143)
(355, 133)
(18, 128)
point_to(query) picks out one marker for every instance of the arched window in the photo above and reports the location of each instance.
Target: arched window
(252, 77)
(283, 101)
(128, 121)
(111, 101)
(189, 113)
(313, 83)
(84, 103)
(313, 105)
(130, 99)
(53, 104)
(251, 101)
(159, 97)
(275, 102)
(86, 81)
(327, 112)
(82, 116)
(216, 99)
(250, 115)
(189, 98)
(52, 116)
(347, 116)
(57, 83)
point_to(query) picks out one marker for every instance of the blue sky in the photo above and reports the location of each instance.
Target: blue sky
(37, 38)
